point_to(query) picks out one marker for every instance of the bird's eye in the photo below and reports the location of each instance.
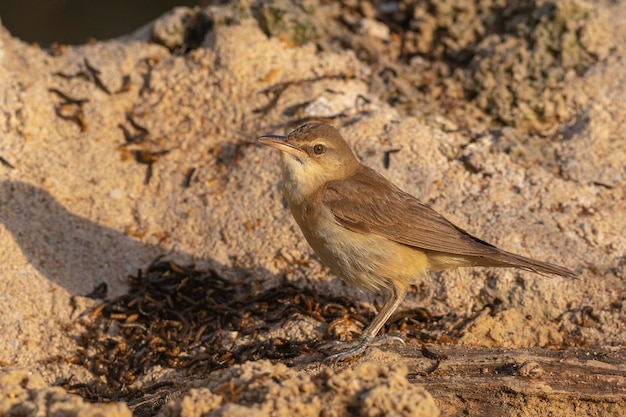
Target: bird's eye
(319, 149)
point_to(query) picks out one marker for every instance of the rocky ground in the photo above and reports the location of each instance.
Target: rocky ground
(150, 267)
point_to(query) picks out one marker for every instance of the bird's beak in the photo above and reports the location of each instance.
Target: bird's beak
(280, 143)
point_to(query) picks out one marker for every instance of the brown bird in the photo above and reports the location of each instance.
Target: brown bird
(369, 232)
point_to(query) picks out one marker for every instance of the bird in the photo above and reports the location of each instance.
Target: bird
(369, 232)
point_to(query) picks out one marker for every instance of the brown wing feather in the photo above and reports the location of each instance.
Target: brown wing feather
(385, 210)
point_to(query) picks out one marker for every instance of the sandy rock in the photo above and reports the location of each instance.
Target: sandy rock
(381, 391)
(260, 388)
(509, 328)
(116, 152)
(24, 393)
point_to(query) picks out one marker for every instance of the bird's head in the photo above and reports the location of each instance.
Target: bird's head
(312, 155)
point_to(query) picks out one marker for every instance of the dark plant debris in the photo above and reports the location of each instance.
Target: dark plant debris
(6, 163)
(140, 146)
(197, 321)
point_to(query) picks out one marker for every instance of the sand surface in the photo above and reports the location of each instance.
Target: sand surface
(149, 266)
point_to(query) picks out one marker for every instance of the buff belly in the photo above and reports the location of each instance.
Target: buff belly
(367, 261)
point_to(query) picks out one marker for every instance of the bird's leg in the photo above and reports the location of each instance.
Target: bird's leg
(368, 337)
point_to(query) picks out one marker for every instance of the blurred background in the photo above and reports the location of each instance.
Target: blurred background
(75, 21)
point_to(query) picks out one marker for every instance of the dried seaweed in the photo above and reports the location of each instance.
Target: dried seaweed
(178, 317)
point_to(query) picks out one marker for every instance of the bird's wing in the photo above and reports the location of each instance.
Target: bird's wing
(368, 203)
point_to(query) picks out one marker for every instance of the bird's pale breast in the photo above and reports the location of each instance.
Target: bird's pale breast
(367, 261)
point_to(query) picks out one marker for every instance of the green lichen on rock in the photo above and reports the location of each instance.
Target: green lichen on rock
(230, 14)
(512, 59)
(520, 76)
(290, 20)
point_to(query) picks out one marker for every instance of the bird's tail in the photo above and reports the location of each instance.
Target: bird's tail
(507, 259)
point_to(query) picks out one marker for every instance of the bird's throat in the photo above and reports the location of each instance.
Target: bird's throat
(300, 182)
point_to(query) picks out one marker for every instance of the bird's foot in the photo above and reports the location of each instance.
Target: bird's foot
(348, 350)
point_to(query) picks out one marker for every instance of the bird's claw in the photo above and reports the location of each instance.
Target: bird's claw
(386, 339)
(349, 350)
